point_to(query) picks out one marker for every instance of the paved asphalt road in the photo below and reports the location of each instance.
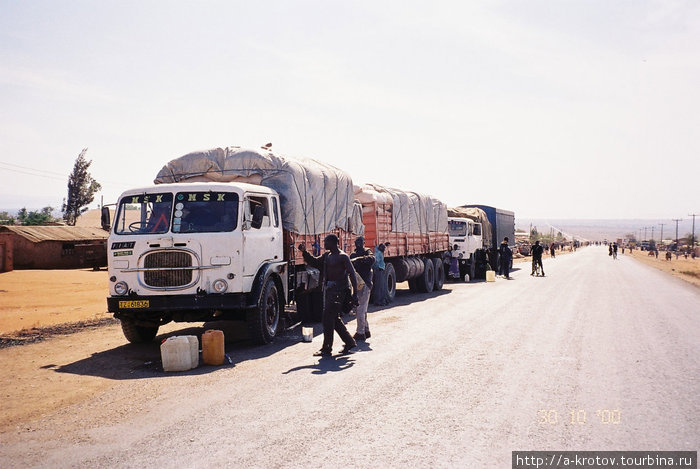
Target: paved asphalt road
(598, 355)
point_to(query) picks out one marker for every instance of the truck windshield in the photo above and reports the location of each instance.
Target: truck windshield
(205, 212)
(457, 228)
(144, 214)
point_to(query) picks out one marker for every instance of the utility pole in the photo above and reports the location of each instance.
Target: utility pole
(652, 233)
(692, 240)
(677, 220)
(645, 234)
(662, 232)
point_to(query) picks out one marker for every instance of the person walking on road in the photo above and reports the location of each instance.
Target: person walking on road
(551, 250)
(506, 255)
(363, 261)
(537, 258)
(336, 268)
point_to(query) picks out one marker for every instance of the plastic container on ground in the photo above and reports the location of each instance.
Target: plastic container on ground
(176, 354)
(307, 334)
(490, 276)
(213, 350)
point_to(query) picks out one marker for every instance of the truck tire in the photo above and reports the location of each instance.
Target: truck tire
(390, 282)
(439, 274)
(264, 320)
(138, 334)
(426, 282)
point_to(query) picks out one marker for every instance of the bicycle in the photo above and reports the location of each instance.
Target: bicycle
(536, 269)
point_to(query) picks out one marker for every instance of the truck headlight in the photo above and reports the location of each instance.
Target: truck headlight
(121, 288)
(220, 285)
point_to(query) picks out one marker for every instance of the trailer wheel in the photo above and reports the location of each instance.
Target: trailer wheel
(137, 334)
(264, 320)
(439, 273)
(426, 282)
(390, 282)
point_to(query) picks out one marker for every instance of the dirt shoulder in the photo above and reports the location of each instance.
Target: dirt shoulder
(685, 269)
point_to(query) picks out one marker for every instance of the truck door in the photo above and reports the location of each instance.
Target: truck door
(262, 244)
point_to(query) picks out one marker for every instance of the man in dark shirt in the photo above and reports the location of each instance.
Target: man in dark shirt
(336, 268)
(506, 254)
(537, 251)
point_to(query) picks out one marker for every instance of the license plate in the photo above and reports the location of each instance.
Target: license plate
(134, 304)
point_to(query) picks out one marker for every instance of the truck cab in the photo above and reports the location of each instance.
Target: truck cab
(465, 239)
(196, 252)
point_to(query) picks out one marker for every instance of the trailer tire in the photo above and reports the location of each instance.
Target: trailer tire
(426, 282)
(439, 274)
(138, 334)
(264, 320)
(390, 274)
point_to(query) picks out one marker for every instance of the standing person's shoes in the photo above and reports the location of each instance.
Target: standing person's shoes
(367, 334)
(359, 337)
(322, 353)
(348, 349)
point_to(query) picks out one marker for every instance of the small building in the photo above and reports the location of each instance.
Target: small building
(52, 247)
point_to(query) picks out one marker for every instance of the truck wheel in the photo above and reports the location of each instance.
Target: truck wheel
(264, 320)
(137, 334)
(439, 274)
(390, 282)
(426, 282)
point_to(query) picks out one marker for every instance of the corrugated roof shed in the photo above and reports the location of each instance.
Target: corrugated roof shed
(56, 233)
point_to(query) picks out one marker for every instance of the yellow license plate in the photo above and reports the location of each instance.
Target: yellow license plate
(134, 304)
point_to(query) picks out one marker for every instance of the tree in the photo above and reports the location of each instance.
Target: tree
(7, 219)
(81, 190)
(41, 217)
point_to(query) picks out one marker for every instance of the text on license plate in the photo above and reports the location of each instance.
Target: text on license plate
(134, 304)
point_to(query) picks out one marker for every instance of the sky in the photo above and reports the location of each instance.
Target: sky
(559, 109)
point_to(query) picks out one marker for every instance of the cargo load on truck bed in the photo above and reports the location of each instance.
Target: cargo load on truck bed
(316, 198)
(473, 213)
(413, 223)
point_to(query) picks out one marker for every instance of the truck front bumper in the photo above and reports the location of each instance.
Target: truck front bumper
(154, 304)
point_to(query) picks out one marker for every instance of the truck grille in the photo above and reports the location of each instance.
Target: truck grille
(169, 270)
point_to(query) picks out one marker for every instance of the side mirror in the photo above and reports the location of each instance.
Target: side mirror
(258, 214)
(105, 218)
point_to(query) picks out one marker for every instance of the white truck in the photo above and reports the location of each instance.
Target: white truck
(222, 245)
(476, 232)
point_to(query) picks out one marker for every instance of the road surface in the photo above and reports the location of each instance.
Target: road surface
(598, 355)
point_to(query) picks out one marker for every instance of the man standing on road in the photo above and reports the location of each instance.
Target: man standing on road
(380, 298)
(537, 258)
(506, 254)
(363, 261)
(335, 267)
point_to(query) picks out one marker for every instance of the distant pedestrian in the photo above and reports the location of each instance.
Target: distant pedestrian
(363, 262)
(336, 269)
(614, 250)
(506, 255)
(551, 250)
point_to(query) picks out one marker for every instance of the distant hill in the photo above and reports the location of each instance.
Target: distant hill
(600, 230)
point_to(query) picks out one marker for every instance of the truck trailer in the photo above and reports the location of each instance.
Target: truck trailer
(216, 237)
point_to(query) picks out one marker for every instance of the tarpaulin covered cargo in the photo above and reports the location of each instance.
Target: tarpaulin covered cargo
(315, 197)
(411, 212)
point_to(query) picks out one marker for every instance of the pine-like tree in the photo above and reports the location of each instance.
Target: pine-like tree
(81, 190)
